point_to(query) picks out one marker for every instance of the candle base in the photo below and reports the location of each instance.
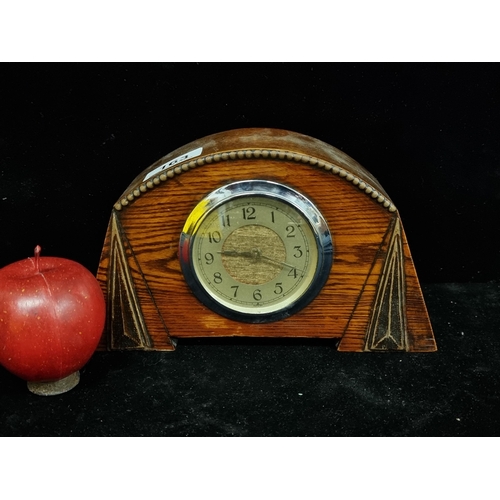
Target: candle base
(55, 387)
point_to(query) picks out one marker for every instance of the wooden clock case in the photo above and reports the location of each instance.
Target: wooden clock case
(371, 301)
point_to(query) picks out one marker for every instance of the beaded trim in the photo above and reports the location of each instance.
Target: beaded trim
(255, 154)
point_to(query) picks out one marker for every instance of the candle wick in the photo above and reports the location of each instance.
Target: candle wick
(38, 249)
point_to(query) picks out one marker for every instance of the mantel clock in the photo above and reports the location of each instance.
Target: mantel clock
(260, 233)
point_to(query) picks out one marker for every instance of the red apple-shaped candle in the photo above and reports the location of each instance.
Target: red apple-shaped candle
(52, 315)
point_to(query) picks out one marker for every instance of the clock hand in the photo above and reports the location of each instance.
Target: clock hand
(256, 255)
(276, 261)
(235, 253)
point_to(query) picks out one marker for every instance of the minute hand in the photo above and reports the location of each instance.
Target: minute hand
(276, 261)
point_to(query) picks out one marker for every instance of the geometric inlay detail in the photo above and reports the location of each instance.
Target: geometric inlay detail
(127, 329)
(387, 326)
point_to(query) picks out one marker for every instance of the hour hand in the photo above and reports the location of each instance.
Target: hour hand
(235, 253)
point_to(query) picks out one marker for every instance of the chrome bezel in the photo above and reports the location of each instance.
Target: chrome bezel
(269, 189)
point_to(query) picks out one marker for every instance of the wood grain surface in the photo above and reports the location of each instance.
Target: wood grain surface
(371, 301)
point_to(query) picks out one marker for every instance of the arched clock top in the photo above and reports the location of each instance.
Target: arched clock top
(283, 146)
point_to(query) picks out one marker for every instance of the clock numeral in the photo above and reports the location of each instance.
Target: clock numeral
(235, 287)
(278, 289)
(298, 252)
(217, 278)
(249, 213)
(293, 273)
(214, 237)
(257, 295)
(290, 231)
(209, 258)
(225, 221)
(272, 216)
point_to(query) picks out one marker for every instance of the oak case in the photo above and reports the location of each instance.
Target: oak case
(371, 300)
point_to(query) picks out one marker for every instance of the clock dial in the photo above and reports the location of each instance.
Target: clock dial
(255, 251)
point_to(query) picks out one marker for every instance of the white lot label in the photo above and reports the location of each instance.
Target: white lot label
(171, 163)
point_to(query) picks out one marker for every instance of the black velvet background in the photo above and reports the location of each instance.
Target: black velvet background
(72, 138)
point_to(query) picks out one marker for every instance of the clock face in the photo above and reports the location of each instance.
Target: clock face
(256, 251)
